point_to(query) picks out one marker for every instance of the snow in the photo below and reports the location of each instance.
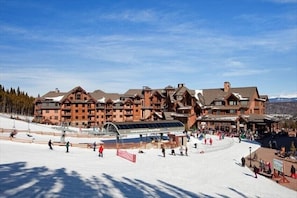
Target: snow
(32, 170)
(57, 99)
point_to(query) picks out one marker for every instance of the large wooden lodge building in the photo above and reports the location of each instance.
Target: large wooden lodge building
(228, 109)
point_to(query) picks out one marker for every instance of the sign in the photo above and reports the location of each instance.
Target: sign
(278, 165)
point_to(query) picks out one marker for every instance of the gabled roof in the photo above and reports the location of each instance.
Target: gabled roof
(133, 92)
(218, 94)
(180, 91)
(157, 92)
(53, 96)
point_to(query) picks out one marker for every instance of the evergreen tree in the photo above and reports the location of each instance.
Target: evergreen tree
(16, 102)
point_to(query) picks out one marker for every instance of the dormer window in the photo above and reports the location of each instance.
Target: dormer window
(232, 102)
(218, 103)
(78, 96)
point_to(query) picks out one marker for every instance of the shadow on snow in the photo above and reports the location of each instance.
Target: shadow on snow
(19, 181)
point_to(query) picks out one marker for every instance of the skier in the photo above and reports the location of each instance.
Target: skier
(243, 161)
(94, 146)
(210, 141)
(101, 148)
(181, 150)
(256, 171)
(163, 150)
(67, 146)
(50, 144)
(172, 151)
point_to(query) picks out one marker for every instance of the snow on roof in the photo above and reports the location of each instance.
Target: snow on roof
(101, 100)
(240, 96)
(197, 92)
(117, 100)
(56, 99)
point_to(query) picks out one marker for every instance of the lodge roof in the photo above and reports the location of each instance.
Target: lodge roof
(211, 95)
(207, 95)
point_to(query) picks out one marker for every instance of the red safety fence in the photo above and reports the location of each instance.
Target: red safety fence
(126, 155)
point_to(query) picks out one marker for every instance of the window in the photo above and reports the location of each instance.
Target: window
(244, 103)
(78, 96)
(232, 111)
(218, 103)
(232, 103)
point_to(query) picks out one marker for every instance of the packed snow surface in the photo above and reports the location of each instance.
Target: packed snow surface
(33, 170)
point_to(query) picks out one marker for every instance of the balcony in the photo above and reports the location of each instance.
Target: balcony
(66, 114)
(109, 113)
(128, 107)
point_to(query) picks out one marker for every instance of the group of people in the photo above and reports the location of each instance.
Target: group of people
(210, 141)
(100, 149)
(68, 144)
(50, 144)
(182, 149)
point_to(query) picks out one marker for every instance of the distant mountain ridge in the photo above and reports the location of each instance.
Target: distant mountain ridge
(282, 107)
(283, 99)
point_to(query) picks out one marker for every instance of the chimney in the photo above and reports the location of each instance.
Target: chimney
(180, 85)
(57, 90)
(227, 86)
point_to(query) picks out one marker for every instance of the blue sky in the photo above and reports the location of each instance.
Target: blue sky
(118, 45)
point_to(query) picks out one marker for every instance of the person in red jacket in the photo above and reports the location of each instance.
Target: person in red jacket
(210, 141)
(101, 148)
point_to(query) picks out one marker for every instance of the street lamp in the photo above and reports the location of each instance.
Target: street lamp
(250, 156)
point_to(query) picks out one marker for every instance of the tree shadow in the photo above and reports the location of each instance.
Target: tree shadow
(17, 180)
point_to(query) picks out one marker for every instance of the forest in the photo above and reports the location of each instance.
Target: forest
(16, 102)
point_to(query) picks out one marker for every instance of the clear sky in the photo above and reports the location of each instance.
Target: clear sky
(118, 45)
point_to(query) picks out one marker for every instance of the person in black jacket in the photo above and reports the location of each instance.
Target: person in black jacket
(256, 171)
(50, 144)
(293, 171)
(243, 161)
(67, 146)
